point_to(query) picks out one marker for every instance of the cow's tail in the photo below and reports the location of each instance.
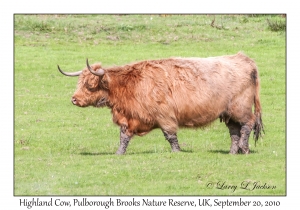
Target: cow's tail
(258, 125)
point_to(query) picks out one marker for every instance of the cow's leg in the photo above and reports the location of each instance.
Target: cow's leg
(169, 125)
(244, 140)
(245, 133)
(235, 135)
(124, 140)
(172, 139)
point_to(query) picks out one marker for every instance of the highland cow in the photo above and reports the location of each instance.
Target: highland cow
(176, 92)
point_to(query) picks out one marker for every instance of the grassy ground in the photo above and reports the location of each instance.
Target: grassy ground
(61, 149)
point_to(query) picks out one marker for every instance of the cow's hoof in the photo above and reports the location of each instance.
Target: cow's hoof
(234, 150)
(246, 151)
(175, 150)
(120, 153)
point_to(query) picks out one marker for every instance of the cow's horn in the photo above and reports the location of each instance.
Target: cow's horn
(71, 74)
(99, 72)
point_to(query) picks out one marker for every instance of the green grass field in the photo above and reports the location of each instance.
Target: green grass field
(61, 149)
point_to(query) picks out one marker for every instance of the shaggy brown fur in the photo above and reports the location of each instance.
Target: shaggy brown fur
(177, 92)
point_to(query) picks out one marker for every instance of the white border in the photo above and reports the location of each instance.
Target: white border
(6, 85)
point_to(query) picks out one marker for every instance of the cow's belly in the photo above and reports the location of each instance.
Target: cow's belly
(199, 116)
(198, 121)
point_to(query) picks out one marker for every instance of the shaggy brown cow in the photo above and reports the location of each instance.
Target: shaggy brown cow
(176, 92)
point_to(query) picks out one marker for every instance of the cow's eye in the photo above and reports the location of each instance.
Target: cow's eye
(91, 88)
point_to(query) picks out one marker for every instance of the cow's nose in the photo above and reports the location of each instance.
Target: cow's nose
(74, 101)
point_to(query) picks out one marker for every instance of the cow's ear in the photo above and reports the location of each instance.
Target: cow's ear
(105, 81)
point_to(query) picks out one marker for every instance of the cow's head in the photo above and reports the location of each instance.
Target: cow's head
(92, 88)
